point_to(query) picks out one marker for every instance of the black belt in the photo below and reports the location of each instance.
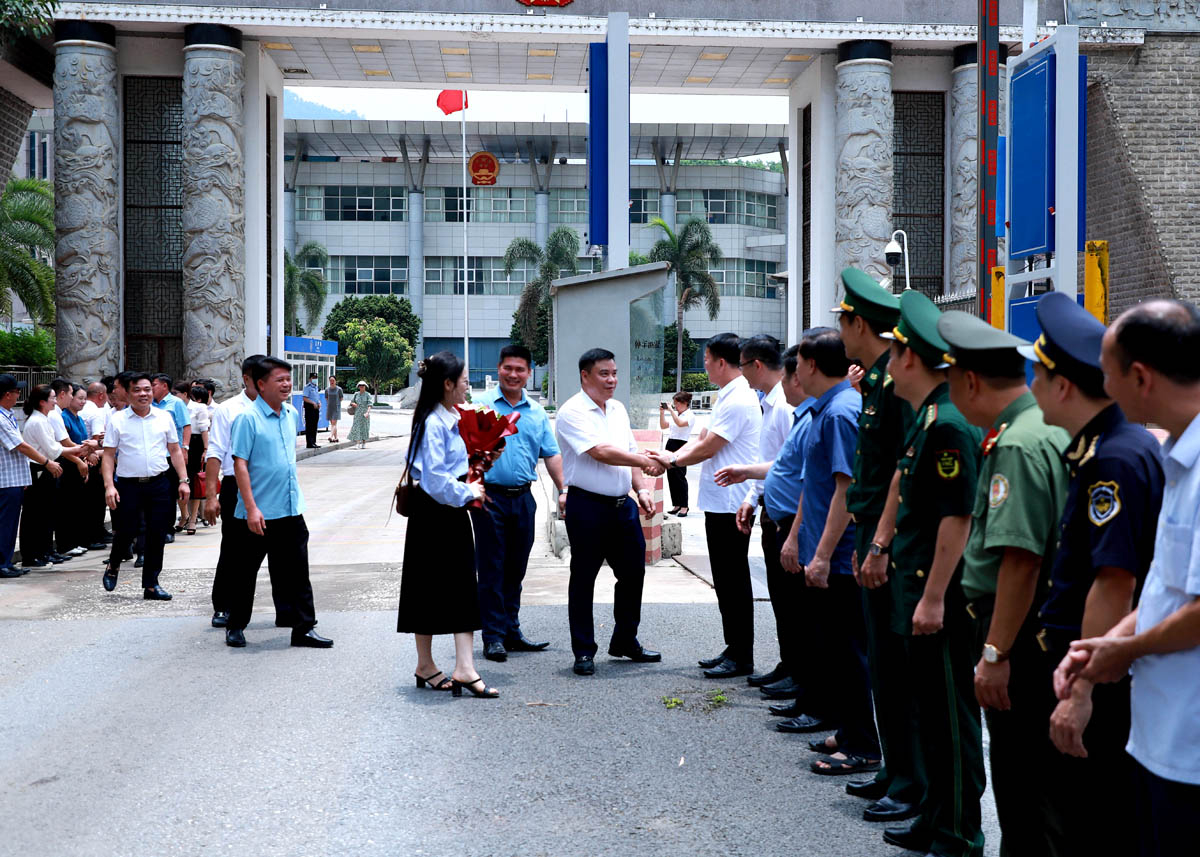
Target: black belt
(597, 498)
(142, 478)
(508, 490)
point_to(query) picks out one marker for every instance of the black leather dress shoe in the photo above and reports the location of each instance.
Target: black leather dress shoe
(791, 709)
(35, 563)
(907, 837)
(97, 546)
(110, 578)
(584, 665)
(495, 652)
(785, 688)
(728, 668)
(804, 724)
(521, 643)
(709, 663)
(871, 789)
(157, 593)
(10, 571)
(310, 639)
(886, 809)
(170, 539)
(139, 562)
(220, 619)
(639, 653)
(759, 679)
(56, 558)
(235, 638)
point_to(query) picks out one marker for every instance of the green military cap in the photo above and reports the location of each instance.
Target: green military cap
(865, 297)
(976, 345)
(917, 328)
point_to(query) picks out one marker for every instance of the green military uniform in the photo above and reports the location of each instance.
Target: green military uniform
(938, 475)
(883, 425)
(1022, 489)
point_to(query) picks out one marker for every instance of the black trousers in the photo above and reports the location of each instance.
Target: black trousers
(1166, 813)
(603, 530)
(728, 556)
(284, 544)
(37, 514)
(804, 617)
(152, 502)
(677, 477)
(94, 508)
(503, 540)
(844, 658)
(786, 590)
(67, 516)
(233, 533)
(312, 415)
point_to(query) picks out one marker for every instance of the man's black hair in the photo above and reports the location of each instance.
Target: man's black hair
(518, 351)
(823, 345)
(133, 378)
(58, 385)
(791, 359)
(183, 387)
(879, 328)
(764, 349)
(266, 366)
(725, 346)
(164, 378)
(108, 381)
(1161, 334)
(248, 363)
(593, 356)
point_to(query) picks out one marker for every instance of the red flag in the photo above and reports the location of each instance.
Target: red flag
(452, 100)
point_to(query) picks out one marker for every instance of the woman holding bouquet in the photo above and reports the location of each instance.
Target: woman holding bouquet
(438, 592)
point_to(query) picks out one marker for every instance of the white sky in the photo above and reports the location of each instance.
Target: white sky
(487, 106)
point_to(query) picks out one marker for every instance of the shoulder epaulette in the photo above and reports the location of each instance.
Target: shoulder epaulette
(931, 415)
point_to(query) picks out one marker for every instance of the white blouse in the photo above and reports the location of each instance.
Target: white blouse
(39, 433)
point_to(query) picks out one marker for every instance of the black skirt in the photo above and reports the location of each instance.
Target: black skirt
(438, 589)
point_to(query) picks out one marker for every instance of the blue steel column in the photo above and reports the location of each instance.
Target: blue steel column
(541, 217)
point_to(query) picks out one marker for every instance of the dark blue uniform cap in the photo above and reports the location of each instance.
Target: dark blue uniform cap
(1070, 341)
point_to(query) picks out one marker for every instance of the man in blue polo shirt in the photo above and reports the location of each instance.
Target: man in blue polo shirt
(164, 399)
(504, 526)
(825, 548)
(269, 500)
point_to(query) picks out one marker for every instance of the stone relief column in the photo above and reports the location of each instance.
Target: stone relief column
(863, 151)
(964, 163)
(87, 149)
(214, 240)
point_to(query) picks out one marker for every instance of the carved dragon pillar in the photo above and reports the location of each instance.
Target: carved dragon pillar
(863, 149)
(87, 253)
(214, 249)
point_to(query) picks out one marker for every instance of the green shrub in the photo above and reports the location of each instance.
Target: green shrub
(27, 348)
(693, 382)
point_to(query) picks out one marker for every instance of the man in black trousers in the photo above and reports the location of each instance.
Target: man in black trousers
(312, 411)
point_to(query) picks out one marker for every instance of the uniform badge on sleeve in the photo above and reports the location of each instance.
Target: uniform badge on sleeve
(1104, 502)
(949, 463)
(997, 491)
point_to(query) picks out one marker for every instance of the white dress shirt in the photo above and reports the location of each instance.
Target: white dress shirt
(200, 419)
(581, 425)
(140, 442)
(776, 423)
(40, 434)
(220, 429)
(680, 432)
(94, 417)
(56, 422)
(737, 417)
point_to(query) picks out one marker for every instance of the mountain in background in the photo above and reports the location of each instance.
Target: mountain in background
(295, 107)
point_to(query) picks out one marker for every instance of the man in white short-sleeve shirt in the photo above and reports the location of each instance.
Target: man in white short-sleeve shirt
(1150, 369)
(731, 439)
(601, 464)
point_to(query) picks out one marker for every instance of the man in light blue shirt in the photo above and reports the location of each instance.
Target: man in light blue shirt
(269, 499)
(312, 410)
(504, 526)
(1149, 361)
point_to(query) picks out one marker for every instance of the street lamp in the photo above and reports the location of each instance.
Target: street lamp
(893, 254)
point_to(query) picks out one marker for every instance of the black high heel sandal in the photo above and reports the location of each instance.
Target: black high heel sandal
(428, 681)
(457, 686)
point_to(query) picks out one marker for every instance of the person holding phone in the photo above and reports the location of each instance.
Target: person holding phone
(676, 418)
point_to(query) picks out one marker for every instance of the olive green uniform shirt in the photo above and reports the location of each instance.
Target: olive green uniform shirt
(883, 426)
(939, 469)
(1022, 490)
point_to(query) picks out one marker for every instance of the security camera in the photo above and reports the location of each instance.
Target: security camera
(893, 253)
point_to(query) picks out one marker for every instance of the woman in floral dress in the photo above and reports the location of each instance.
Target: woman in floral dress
(360, 429)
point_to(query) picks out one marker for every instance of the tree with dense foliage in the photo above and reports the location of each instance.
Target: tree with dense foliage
(560, 257)
(378, 351)
(692, 252)
(671, 343)
(304, 286)
(26, 241)
(29, 19)
(393, 310)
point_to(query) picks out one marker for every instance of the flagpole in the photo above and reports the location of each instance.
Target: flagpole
(466, 209)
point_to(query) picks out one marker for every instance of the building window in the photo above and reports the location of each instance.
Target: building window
(747, 208)
(569, 205)
(919, 187)
(745, 278)
(485, 276)
(381, 203)
(367, 275)
(503, 205)
(31, 156)
(644, 205)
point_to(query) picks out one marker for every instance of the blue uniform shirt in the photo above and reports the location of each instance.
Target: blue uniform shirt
(785, 480)
(267, 442)
(311, 392)
(829, 449)
(534, 439)
(178, 410)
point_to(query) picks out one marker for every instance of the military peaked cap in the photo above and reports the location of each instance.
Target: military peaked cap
(865, 297)
(976, 345)
(1070, 340)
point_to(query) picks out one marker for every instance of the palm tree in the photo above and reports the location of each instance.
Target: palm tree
(26, 234)
(561, 255)
(304, 286)
(691, 252)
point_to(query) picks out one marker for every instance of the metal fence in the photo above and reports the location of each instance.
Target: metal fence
(29, 377)
(964, 301)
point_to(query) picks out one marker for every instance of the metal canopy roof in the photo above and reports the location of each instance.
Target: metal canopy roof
(511, 141)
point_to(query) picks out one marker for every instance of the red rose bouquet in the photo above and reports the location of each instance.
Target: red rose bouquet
(483, 431)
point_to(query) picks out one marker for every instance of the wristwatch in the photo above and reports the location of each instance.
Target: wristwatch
(185, 481)
(876, 549)
(992, 655)
(674, 458)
